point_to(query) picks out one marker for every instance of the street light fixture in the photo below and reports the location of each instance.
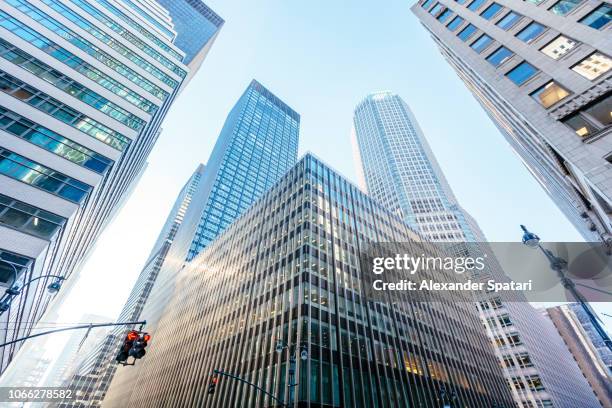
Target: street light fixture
(280, 347)
(14, 290)
(559, 265)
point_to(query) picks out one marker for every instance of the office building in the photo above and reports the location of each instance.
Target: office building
(400, 171)
(286, 275)
(256, 146)
(85, 86)
(197, 27)
(95, 369)
(593, 357)
(541, 70)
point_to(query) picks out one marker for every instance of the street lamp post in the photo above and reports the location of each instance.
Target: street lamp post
(280, 346)
(14, 290)
(559, 265)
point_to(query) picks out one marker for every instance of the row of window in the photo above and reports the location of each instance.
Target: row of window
(60, 111)
(11, 262)
(592, 67)
(61, 54)
(110, 41)
(89, 48)
(51, 141)
(35, 174)
(597, 19)
(136, 26)
(95, 13)
(29, 219)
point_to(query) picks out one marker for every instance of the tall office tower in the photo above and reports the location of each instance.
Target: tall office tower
(400, 171)
(587, 347)
(257, 145)
(85, 85)
(96, 368)
(287, 273)
(541, 70)
(196, 25)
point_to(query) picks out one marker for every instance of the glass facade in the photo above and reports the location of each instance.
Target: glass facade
(257, 145)
(287, 272)
(196, 24)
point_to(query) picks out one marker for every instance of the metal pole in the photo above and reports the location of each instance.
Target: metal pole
(85, 326)
(235, 377)
(559, 265)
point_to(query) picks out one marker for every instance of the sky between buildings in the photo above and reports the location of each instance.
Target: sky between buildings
(320, 57)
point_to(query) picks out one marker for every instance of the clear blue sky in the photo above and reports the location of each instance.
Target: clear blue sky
(321, 57)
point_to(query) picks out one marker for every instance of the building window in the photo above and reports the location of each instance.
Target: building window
(536, 2)
(481, 43)
(461, 1)
(559, 47)
(531, 32)
(509, 21)
(491, 11)
(592, 118)
(427, 3)
(499, 56)
(436, 9)
(564, 7)
(445, 15)
(35, 174)
(476, 4)
(456, 22)
(522, 73)
(467, 32)
(29, 219)
(550, 94)
(535, 383)
(11, 263)
(593, 66)
(598, 18)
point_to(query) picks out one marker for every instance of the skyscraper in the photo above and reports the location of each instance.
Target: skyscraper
(197, 27)
(586, 345)
(285, 277)
(257, 145)
(84, 87)
(95, 370)
(541, 70)
(400, 170)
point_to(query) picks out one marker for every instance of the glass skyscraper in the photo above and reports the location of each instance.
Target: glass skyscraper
(287, 272)
(84, 87)
(196, 25)
(400, 170)
(256, 146)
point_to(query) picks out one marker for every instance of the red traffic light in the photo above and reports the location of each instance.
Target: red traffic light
(146, 337)
(214, 380)
(132, 335)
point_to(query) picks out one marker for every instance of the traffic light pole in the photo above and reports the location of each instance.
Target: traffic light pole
(235, 377)
(84, 326)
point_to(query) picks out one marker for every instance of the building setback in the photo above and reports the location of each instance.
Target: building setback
(256, 146)
(95, 370)
(586, 346)
(541, 70)
(287, 272)
(84, 87)
(400, 171)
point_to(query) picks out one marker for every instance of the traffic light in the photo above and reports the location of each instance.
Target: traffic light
(124, 351)
(138, 346)
(212, 384)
